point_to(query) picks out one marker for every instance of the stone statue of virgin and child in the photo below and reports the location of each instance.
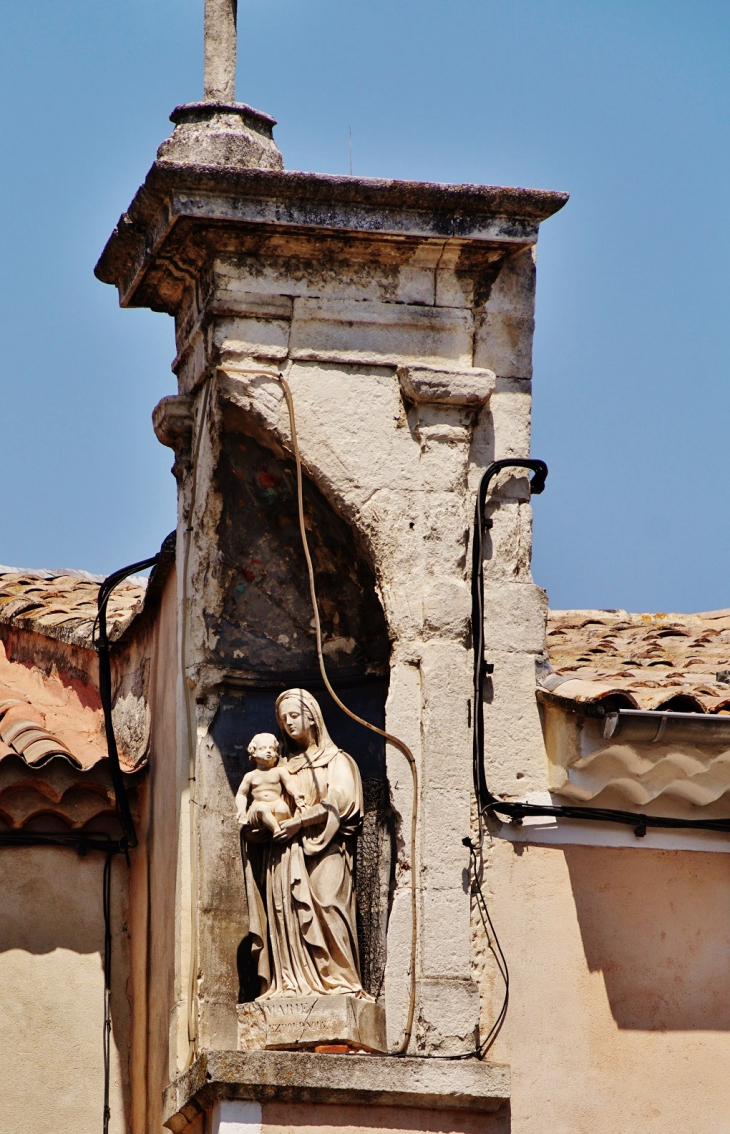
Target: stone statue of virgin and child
(300, 810)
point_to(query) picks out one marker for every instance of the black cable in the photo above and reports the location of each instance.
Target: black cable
(99, 840)
(481, 667)
(82, 843)
(515, 810)
(124, 813)
(106, 903)
(494, 944)
(101, 641)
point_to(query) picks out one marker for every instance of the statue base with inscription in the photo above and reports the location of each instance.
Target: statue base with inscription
(308, 1021)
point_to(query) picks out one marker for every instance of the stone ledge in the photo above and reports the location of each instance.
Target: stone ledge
(361, 1080)
(217, 194)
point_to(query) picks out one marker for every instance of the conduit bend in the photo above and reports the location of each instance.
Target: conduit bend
(517, 810)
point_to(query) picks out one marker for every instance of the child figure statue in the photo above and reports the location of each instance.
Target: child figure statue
(260, 800)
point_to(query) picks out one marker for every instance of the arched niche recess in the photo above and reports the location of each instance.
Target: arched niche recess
(266, 643)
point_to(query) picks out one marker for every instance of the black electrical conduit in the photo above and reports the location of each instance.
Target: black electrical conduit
(83, 841)
(516, 810)
(101, 642)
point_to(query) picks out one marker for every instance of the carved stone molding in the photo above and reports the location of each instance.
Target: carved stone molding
(361, 1080)
(172, 421)
(469, 388)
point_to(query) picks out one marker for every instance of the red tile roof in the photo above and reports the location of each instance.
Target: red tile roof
(46, 714)
(63, 604)
(681, 661)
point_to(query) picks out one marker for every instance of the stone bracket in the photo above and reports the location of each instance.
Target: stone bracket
(468, 388)
(360, 1080)
(172, 420)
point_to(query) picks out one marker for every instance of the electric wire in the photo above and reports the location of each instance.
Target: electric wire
(495, 946)
(517, 810)
(481, 667)
(399, 744)
(100, 640)
(82, 843)
(106, 905)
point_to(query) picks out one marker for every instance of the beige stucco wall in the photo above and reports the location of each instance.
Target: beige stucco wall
(155, 915)
(619, 1014)
(51, 948)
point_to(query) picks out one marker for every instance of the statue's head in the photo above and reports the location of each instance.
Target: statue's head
(296, 718)
(264, 750)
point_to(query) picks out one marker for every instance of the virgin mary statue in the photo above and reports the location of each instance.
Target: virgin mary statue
(301, 896)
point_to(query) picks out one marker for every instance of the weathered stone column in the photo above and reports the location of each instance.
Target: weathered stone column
(401, 313)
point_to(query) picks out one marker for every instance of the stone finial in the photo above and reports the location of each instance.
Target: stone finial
(230, 135)
(220, 131)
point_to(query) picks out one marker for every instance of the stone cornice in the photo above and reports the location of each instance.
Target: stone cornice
(291, 201)
(363, 1080)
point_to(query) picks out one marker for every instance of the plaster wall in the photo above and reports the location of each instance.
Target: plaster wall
(619, 1017)
(51, 1024)
(157, 917)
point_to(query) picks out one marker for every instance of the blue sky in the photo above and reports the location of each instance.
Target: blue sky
(623, 104)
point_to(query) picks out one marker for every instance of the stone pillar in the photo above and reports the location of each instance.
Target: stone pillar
(515, 609)
(401, 313)
(220, 51)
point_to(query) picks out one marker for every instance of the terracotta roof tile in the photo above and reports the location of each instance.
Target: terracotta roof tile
(58, 795)
(44, 717)
(652, 660)
(63, 605)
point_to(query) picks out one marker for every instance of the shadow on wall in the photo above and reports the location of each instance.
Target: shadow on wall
(51, 899)
(656, 924)
(332, 1119)
(51, 1022)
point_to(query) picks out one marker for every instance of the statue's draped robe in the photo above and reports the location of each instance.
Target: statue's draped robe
(301, 901)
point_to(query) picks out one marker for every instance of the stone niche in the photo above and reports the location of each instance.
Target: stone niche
(259, 638)
(264, 630)
(402, 314)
